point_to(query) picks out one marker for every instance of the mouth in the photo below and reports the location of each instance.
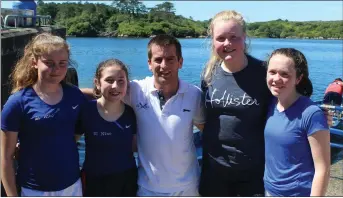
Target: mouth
(165, 74)
(227, 50)
(114, 93)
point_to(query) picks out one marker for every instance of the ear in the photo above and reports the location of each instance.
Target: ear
(150, 66)
(299, 79)
(97, 84)
(34, 63)
(180, 62)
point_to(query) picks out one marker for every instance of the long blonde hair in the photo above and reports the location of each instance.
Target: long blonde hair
(214, 59)
(24, 74)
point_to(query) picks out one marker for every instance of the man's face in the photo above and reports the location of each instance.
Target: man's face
(164, 64)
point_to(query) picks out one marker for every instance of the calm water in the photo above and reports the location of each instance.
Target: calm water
(325, 58)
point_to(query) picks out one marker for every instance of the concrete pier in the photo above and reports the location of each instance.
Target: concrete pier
(13, 42)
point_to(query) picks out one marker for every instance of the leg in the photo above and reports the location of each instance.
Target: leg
(74, 190)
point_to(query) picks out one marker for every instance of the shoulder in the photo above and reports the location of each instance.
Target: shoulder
(257, 64)
(73, 92)
(15, 99)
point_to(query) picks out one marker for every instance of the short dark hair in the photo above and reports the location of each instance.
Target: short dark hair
(165, 40)
(304, 87)
(338, 79)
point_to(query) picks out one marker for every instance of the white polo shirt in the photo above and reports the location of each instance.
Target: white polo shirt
(166, 152)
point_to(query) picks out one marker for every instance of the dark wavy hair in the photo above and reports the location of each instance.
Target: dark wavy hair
(304, 87)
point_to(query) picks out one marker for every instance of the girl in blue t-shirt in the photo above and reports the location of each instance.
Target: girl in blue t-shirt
(42, 113)
(109, 126)
(297, 138)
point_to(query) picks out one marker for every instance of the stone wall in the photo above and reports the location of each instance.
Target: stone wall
(13, 42)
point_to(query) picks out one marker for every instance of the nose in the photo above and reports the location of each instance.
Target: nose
(227, 42)
(163, 64)
(114, 84)
(277, 77)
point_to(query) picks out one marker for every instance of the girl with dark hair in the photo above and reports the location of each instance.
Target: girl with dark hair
(297, 138)
(110, 128)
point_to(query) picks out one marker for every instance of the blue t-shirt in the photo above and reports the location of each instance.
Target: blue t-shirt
(289, 166)
(108, 144)
(48, 152)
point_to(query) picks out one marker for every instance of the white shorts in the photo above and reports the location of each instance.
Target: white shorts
(189, 192)
(74, 190)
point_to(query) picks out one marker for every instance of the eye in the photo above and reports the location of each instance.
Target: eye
(220, 38)
(271, 72)
(121, 81)
(110, 81)
(48, 63)
(285, 75)
(158, 60)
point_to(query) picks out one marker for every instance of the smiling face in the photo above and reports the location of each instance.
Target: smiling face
(281, 76)
(112, 83)
(52, 67)
(228, 39)
(165, 64)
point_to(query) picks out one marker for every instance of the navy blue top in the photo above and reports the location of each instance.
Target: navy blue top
(289, 164)
(108, 144)
(49, 159)
(236, 109)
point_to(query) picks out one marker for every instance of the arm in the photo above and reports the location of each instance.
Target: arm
(134, 143)
(320, 149)
(88, 92)
(8, 146)
(200, 126)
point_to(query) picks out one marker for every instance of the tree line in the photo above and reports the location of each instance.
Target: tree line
(131, 18)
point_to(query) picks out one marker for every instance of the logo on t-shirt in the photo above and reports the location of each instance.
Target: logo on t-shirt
(228, 99)
(142, 105)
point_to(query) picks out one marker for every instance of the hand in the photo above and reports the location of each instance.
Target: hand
(329, 116)
(16, 152)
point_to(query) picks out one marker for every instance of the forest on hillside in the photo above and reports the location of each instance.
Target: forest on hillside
(131, 18)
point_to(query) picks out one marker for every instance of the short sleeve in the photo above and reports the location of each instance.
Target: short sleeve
(317, 122)
(199, 117)
(11, 114)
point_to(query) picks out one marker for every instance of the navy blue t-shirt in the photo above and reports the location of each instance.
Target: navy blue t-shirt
(236, 107)
(108, 144)
(49, 159)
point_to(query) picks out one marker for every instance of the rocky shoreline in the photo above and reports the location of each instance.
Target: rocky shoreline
(116, 35)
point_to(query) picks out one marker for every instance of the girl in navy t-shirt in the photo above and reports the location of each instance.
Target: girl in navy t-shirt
(42, 113)
(110, 135)
(297, 138)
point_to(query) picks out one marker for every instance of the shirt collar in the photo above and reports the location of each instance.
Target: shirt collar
(183, 86)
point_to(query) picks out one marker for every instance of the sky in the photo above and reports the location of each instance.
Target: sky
(253, 11)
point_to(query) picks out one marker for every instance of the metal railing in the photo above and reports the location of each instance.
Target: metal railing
(20, 20)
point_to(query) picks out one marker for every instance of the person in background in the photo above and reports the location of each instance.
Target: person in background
(42, 112)
(110, 128)
(334, 92)
(297, 136)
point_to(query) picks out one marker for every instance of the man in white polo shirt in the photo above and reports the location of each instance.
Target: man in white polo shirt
(166, 109)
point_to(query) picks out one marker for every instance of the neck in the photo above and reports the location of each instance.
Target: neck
(284, 103)
(168, 90)
(109, 107)
(46, 87)
(235, 65)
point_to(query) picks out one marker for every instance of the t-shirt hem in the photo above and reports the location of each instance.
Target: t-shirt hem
(169, 189)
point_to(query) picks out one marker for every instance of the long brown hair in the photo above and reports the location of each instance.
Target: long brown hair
(214, 59)
(24, 74)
